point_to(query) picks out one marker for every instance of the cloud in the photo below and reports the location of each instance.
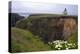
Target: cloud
(30, 7)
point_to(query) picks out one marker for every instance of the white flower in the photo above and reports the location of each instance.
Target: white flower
(74, 44)
(59, 48)
(56, 46)
(70, 44)
(65, 41)
(59, 44)
(67, 48)
(48, 42)
(51, 43)
(56, 43)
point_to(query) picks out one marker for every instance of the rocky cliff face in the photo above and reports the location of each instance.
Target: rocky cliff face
(70, 26)
(14, 17)
(51, 28)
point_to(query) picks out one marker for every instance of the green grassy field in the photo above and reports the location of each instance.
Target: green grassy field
(25, 41)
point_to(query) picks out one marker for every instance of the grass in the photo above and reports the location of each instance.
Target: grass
(73, 38)
(25, 41)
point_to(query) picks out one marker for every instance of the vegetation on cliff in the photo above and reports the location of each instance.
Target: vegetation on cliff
(25, 41)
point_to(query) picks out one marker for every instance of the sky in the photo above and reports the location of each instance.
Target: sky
(30, 7)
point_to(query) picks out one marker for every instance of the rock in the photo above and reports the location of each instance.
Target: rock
(52, 28)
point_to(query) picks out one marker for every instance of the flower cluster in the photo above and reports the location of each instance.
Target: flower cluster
(59, 45)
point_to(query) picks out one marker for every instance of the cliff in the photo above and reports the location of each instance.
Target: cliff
(50, 27)
(14, 17)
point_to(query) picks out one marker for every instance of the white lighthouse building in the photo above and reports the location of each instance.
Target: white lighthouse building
(65, 11)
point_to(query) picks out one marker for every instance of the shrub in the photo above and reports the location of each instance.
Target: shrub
(61, 45)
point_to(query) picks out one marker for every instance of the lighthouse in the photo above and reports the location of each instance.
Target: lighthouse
(65, 11)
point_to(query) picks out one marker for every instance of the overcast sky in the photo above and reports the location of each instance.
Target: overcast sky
(30, 7)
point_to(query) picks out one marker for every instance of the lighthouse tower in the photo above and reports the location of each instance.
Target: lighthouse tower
(65, 11)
